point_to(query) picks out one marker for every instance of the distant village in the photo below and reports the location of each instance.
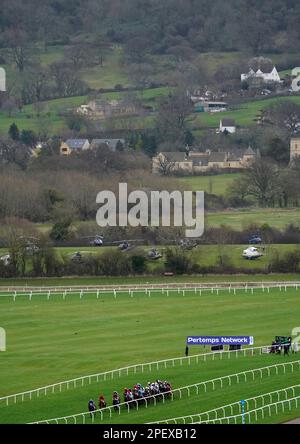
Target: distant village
(189, 160)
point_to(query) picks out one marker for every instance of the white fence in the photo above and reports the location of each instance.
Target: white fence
(224, 284)
(236, 407)
(193, 389)
(255, 415)
(132, 369)
(148, 291)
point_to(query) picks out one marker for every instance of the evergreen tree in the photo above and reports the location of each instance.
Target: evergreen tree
(119, 146)
(14, 132)
(28, 137)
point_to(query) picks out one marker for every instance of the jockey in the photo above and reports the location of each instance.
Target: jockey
(92, 408)
(102, 402)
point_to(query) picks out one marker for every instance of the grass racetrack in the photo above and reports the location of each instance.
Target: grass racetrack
(49, 341)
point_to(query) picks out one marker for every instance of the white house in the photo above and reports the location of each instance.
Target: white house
(267, 77)
(227, 126)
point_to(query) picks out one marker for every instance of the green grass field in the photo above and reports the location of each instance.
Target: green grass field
(133, 280)
(50, 341)
(235, 218)
(109, 74)
(238, 219)
(216, 184)
(244, 115)
(53, 111)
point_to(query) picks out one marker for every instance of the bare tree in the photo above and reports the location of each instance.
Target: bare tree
(165, 166)
(34, 85)
(79, 56)
(172, 116)
(17, 41)
(9, 106)
(66, 80)
(263, 63)
(263, 182)
(137, 49)
(142, 74)
(13, 152)
(285, 115)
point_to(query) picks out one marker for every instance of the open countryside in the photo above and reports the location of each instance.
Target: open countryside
(99, 320)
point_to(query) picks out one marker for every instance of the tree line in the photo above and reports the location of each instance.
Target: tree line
(159, 27)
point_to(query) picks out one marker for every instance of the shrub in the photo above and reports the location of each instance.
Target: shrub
(115, 263)
(177, 261)
(138, 264)
(60, 231)
(289, 263)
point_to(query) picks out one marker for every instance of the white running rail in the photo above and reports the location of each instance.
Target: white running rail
(235, 407)
(165, 290)
(266, 411)
(137, 368)
(187, 390)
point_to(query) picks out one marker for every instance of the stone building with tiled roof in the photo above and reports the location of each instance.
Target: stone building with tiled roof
(201, 162)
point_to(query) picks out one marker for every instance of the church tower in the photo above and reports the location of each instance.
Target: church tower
(295, 148)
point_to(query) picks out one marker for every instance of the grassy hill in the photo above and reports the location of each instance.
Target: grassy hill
(244, 115)
(51, 116)
(113, 72)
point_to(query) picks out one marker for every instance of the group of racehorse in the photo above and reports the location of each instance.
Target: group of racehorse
(139, 395)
